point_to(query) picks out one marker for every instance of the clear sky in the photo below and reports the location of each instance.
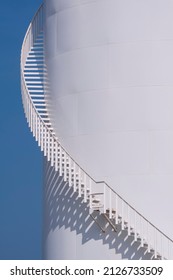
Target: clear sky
(21, 159)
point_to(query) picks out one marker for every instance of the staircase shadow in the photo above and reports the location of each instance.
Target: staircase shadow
(63, 208)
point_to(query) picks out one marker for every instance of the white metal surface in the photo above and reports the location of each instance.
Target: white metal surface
(110, 63)
(98, 195)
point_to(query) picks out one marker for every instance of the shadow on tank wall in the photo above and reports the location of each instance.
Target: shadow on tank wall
(63, 209)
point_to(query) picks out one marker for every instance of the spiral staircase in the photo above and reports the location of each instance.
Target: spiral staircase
(99, 197)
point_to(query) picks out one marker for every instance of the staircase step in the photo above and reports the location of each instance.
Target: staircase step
(95, 200)
(96, 207)
(36, 86)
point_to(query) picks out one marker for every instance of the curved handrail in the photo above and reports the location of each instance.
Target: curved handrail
(110, 202)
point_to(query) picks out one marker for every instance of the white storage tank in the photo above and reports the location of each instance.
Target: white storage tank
(110, 67)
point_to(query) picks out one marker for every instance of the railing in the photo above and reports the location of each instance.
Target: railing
(99, 195)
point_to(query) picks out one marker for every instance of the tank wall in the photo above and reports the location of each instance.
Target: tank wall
(110, 65)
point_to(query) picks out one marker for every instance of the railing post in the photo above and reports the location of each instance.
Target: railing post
(31, 119)
(110, 204)
(148, 237)
(45, 141)
(69, 172)
(56, 156)
(41, 133)
(90, 192)
(48, 146)
(161, 246)
(129, 223)
(85, 188)
(27, 110)
(122, 215)
(38, 132)
(142, 231)
(52, 151)
(60, 160)
(79, 186)
(29, 113)
(25, 105)
(116, 209)
(155, 243)
(65, 166)
(104, 199)
(135, 227)
(34, 122)
(74, 177)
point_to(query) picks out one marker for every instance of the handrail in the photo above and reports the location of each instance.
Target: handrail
(103, 182)
(118, 208)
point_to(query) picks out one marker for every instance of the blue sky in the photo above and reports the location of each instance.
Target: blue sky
(21, 161)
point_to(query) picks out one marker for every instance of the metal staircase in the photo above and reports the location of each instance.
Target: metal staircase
(100, 197)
